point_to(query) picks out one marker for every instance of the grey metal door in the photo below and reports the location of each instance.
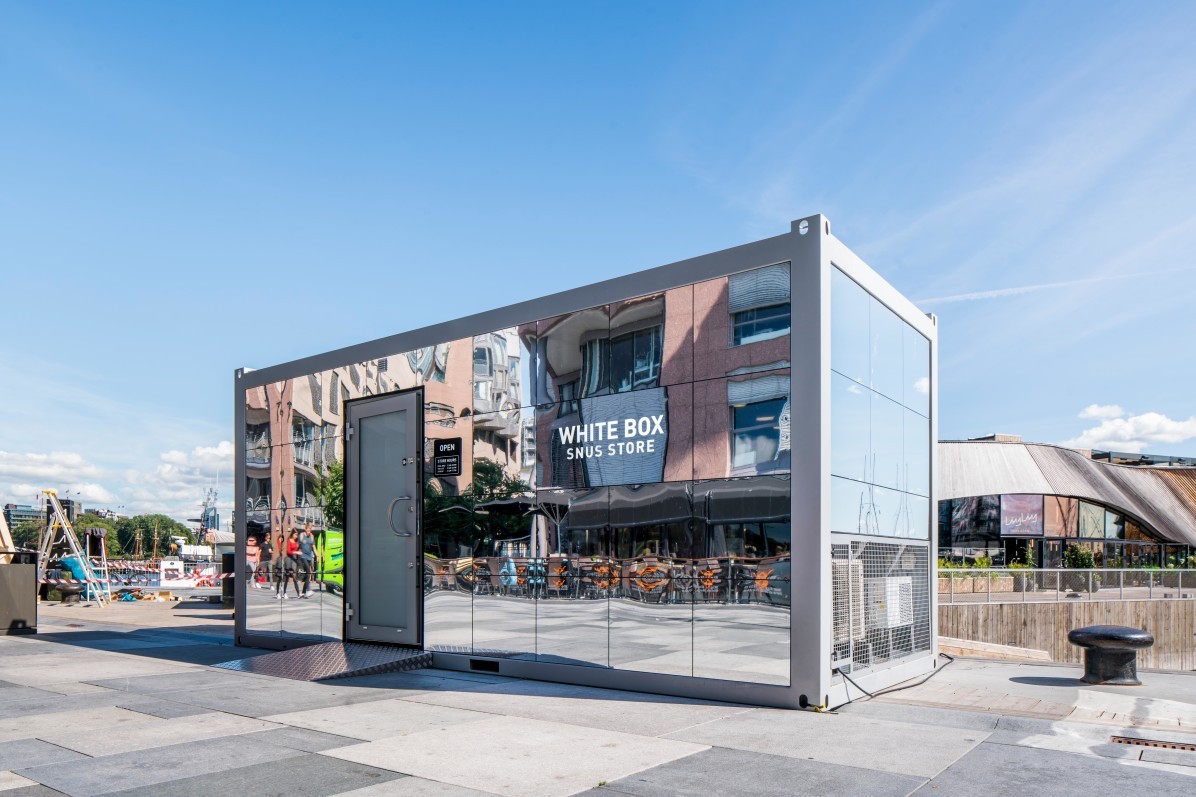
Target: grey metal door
(383, 460)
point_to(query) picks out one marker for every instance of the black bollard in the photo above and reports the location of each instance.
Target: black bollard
(1111, 653)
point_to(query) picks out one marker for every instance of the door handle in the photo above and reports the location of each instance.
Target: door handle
(390, 516)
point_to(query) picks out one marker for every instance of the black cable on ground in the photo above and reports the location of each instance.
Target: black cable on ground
(933, 673)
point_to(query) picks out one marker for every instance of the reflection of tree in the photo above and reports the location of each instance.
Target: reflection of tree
(450, 522)
(331, 492)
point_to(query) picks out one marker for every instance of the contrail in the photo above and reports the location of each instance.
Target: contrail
(1000, 292)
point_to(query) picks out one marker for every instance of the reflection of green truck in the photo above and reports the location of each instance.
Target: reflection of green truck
(330, 560)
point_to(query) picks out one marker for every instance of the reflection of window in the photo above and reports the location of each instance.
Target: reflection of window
(569, 404)
(334, 394)
(593, 366)
(635, 359)
(481, 361)
(755, 432)
(761, 323)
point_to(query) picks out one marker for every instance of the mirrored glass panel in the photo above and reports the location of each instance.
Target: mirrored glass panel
(651, 340)
(294, 583)
(1092, 520)
(917, 371)
(888, 443)
(851, 448)
(740, 579)
(915, 474)
(742, 322)
(505, 548)
(572, 356)
(887, 332)
(572, 612)
(741, 425)
(445, 371)
(850, 336)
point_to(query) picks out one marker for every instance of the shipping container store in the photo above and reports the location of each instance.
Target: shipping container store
(709, 479)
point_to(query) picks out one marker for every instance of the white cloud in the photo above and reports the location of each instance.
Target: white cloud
(922, 385)
(56, 467)
(1133, 434)
(1102, 411)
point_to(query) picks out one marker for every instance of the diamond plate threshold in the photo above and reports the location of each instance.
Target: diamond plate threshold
(329, 660)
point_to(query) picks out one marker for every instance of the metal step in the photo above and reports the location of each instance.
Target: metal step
(330, 660)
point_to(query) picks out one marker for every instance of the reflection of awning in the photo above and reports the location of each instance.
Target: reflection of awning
(588, 511)
(755, 500)
(650, 504)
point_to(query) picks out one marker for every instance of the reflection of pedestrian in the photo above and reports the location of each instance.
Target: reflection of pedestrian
(307, 557)
(263, 568)
(290, 550)
(252, 554)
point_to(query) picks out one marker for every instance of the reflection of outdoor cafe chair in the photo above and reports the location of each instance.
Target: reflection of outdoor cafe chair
(447, 577)
(558, 576)
(649, 580)
(707, 575)
(498, 584)
(482, 577)
(597, 578)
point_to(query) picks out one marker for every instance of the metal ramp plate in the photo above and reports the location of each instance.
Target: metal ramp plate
(330, 660)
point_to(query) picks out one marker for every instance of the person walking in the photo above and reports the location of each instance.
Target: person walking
(307, 557)
(290, 555)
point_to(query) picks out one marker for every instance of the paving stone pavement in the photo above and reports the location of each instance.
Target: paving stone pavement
(91, 708)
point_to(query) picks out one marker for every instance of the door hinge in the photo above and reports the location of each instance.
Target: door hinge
(348, 432)
(348, 610)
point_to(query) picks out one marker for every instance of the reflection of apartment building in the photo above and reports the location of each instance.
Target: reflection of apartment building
(294, 428)
(712, 358)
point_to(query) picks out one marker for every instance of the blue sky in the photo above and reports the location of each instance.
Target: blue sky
(190, 188)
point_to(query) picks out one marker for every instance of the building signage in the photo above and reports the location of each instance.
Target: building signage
(1021, 515)
(615, 439)
(446, 457)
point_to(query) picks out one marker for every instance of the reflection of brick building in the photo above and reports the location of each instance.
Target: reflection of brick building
(294, 428)
(714, 357)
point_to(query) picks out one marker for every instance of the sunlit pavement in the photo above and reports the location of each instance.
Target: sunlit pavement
(102, 702)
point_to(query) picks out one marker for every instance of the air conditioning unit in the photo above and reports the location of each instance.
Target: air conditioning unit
(890, 602)
(847, 600)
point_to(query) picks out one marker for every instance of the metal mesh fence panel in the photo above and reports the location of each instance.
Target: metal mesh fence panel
(880, 603)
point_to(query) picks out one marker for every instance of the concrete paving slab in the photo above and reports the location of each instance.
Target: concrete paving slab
(109, 719)
(884, 745)
(37, 790)
(163, 709)
(1002, 769)
(303, 776)
(300, 739)
(154, 766)
(612, 710)
(516, 756)
(22, 753)
(923, 715)
(14, 693)
(414, 787)
(741, 773)
(95, 666)
(379, 719)
(261, 696)
(154, 732)
(174, 681)
(9, 781)
(73, 688)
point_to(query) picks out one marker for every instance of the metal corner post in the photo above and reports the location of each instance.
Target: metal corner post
(810, 440)
(239, 538)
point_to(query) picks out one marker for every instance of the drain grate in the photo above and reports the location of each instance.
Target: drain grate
(1130, 740)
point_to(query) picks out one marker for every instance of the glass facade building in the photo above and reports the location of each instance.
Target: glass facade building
(712, 478)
